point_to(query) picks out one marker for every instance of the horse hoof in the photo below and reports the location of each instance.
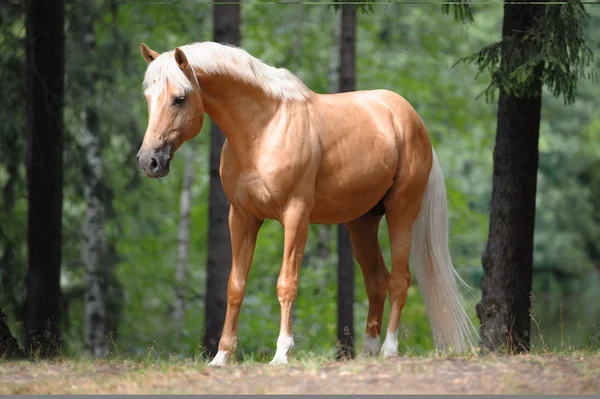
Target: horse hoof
(370, 346)
(279, 360)
(219, 360)
(389, 352)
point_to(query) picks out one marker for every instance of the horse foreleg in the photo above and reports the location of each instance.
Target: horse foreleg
(243, 231)
(365, 244)
(295, 224)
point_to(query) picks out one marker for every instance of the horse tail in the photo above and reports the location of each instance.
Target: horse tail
(437, 279)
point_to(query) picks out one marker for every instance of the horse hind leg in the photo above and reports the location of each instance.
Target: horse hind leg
(365, 245)
(402, 205)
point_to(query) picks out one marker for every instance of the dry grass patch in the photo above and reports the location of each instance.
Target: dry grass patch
(541, 374)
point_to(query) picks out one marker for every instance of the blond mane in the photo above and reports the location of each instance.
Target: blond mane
(218, 59)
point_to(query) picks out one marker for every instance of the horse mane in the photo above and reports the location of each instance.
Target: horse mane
(219, 59)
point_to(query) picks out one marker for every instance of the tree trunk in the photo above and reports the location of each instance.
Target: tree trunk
(96, 268)
(181, 274)
(45, 84)
(345, 325)
(94, 298)
(9, 347)
(226, 19)
(508, 257)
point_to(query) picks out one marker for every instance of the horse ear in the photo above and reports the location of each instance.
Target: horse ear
(149, 55)
(181, 59)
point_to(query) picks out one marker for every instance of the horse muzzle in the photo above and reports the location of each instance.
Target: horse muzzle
(155, 162)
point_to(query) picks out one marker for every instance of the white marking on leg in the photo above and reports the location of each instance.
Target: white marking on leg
(284, 344)
(220, 359)
(370, 346)
(390, 345)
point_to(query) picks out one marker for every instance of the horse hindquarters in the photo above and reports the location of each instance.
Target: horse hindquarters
(452, 329)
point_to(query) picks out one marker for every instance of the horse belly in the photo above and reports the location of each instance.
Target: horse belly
(343, 196)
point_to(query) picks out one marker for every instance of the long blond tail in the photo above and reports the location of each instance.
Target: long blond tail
(452, 329)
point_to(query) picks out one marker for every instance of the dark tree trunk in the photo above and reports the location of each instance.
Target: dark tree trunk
(508, 257)
(45, 84)
(345, 325)
(9, 347)
(226, 19)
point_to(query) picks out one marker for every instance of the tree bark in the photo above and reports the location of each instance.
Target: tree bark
(181, 274)
(94, 297)
(504, 310)
(96, 268)
(226, 19)
(45, 84)
(347, 82)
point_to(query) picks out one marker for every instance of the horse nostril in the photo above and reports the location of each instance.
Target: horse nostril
(137, 157)
(153, 164)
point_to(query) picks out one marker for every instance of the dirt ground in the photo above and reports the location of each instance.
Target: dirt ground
(489, 375)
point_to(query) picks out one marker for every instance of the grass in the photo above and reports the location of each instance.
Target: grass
(575, 372)
(541, 371)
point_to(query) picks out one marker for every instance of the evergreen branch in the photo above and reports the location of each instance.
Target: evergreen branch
(462, 10)
(555, 51)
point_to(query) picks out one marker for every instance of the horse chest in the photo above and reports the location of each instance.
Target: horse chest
(258, 193)
(263, 181)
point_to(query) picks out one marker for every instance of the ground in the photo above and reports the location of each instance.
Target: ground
(541, 374)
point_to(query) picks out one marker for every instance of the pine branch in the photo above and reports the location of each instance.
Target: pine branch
(556, 49)
(462, 10)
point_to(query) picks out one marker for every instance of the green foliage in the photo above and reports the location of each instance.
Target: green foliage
(13, 201)
(554, 50)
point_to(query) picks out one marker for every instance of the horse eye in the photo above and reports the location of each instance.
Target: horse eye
(178, 100)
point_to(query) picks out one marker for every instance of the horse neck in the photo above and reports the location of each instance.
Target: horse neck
(241, 111)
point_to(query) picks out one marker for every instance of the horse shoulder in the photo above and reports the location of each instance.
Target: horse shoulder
(228, 171)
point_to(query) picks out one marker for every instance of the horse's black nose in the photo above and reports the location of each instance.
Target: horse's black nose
(154, 165)
(155, 162)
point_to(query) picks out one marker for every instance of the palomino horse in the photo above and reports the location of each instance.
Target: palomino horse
(300, 157)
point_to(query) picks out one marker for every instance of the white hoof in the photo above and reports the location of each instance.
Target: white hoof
(279, 359)
(389, 352)
(390, 345)
(370, 346)
(219, 360)
(285, 343)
